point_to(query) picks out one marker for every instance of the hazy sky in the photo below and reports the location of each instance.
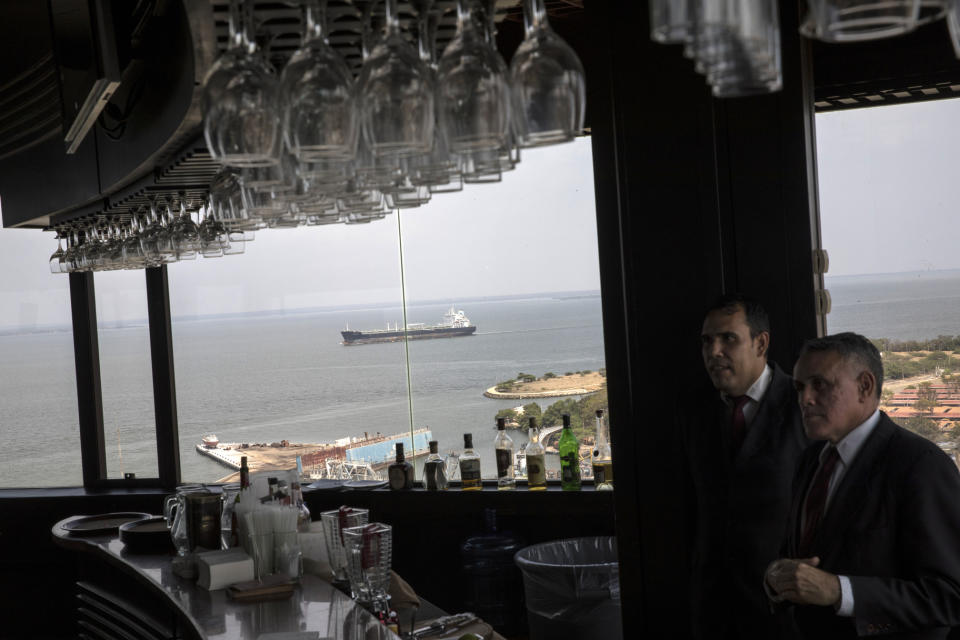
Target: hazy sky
(888, 187)
(533, 232)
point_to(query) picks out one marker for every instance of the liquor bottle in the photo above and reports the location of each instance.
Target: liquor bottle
(244, 474)
(400, 473)
(569, 458)
(536, 467)
(503, 445)
(303, 513)
(434, 470)
(602, 456)
(283, 494)
(244, 483)
(470, 466)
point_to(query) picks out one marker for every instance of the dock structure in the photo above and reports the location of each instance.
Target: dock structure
(227, 457)
(347, 455)
(260, 457)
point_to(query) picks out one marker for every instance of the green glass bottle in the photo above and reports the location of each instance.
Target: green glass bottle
(569, 458)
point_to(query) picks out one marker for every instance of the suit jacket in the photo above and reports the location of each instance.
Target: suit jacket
(739, 509)
(893, 527)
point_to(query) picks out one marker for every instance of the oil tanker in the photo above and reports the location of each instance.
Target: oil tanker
(455, 324)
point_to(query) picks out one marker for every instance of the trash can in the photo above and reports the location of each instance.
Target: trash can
(572, 589)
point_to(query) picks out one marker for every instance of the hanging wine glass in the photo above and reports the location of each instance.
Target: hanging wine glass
(212, 235)
(151, 237)
(317, 94)
(438, 169)
(56, 260)
(240, 100)
(133, 257)
(396, 95)
(549, 93)
(115, 246)
(186, 237)
(474, 92)
(71, 258)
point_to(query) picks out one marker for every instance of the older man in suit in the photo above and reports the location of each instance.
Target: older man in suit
(873, 542)
(741, 444)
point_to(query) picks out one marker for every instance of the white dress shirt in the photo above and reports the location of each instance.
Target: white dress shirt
(847, 450)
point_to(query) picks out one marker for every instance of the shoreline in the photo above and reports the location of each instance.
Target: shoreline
(524, 395)
(581, 383)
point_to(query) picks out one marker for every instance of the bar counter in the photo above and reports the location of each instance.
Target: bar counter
(179, 608)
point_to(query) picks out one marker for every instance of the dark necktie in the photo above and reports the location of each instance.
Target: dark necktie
(817, 500)
(738, 424)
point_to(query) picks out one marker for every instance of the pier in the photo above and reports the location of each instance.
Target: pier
(260, 457)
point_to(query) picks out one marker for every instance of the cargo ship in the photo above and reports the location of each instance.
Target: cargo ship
(455, 324)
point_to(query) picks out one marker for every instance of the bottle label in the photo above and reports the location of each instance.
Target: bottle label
(569, 468)
(536, 474)
(435, 476)
(599, 477)
(504, 462)
(469, 470)
(398, 477)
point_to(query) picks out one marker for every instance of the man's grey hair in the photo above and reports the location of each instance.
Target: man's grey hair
(850, 346)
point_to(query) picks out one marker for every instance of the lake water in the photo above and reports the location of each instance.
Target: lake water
(268, 378)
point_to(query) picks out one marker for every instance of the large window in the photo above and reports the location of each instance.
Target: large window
(126, 374)
(38, 394)
(257, 337)
(889, 222)
(261, 359)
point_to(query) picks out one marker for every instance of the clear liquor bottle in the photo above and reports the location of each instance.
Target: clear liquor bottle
(536, 464)
(602, 456)
(503, 446)
(400, 473)
(569, 458)
(303, 513)
(435, 470)
(470, 466)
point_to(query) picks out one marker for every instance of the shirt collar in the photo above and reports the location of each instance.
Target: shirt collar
(850, 445)
(757, 390)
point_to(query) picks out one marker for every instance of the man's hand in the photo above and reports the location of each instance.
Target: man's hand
(801, 582)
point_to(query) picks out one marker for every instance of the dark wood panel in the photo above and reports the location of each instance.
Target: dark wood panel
(87, 360)
(164, 381)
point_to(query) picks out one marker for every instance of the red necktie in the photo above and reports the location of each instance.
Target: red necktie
(817, 500)
(738, 424)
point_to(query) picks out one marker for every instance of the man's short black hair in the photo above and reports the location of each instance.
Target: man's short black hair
(850, 345)
(757, 318)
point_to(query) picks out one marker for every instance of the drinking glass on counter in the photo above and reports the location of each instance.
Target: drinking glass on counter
(368, 551)
(334, 522)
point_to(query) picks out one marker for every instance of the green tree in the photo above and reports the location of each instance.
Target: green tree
(551, 416)
(548, 375)
(922, 426)
(926, 400)
(507, 414)
(533, 410)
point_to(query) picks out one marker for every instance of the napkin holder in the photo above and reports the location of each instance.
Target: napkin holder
(220, 569)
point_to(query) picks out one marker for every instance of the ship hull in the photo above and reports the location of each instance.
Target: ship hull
(367, 337)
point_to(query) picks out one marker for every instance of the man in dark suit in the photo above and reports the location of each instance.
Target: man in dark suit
(873, 541)
(741, 443)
